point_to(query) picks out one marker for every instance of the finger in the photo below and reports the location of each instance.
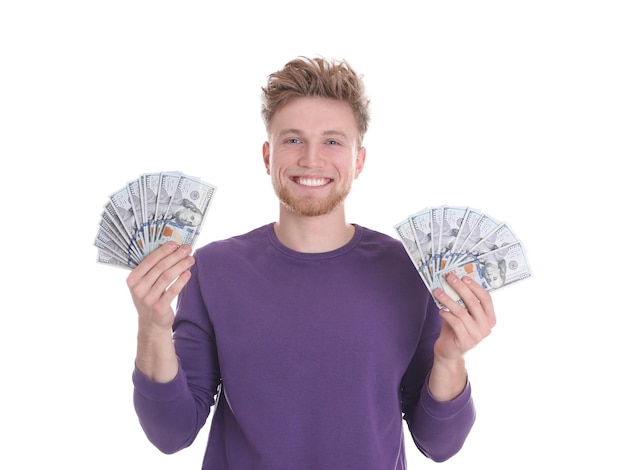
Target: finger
(465, 329)
(153, 300)
(463, 292)
(146, 274)
(469, 292)
(471, 324)
(483, 297)
(150, 261)
(175, 287)
(466, 333)
(170, 268)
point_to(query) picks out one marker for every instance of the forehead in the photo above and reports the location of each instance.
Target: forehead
(314, 114)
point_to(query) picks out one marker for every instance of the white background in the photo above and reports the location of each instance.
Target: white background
(514, 108)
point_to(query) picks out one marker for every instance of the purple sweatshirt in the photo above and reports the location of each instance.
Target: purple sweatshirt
(313, 359)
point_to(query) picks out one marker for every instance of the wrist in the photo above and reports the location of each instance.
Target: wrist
(156, 356)
(448, 378)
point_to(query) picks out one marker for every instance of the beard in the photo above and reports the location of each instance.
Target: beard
(311, 207)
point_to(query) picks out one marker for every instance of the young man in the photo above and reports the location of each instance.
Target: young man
(313, 337)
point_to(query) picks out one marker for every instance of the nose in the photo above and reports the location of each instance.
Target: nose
(312, 156)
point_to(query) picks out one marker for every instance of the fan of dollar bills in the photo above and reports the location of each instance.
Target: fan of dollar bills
(149, 211)
(443, 239)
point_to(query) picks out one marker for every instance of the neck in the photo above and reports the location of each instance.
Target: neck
(313, 234)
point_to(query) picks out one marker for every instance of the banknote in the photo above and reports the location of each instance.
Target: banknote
(149, 211)
(452, 221)
(463, 240)
(406, 233)
(421, 225)
(493, 270)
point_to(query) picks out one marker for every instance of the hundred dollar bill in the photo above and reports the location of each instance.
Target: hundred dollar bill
(501, 236)
(436, 217)
(134, 195)
(185, 215)
(452, 221)
(485, 225)
(420, 223)
(107, 244)
(110, 216)
(123, 208)
(110, 237)
(107, 227)
(168, 183)
(150, 191)
(106, 258)
(149, 211)
(405, 231)
(471, 218)
(493, 270)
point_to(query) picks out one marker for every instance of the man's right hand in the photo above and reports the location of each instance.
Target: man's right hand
(153, 285)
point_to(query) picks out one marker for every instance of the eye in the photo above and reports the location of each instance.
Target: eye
(293, 140)
(333, 142)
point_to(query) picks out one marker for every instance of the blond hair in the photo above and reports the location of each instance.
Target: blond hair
(319, 77)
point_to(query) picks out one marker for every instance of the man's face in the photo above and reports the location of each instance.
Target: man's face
(312, 154)
(188, 217)
(493, 275)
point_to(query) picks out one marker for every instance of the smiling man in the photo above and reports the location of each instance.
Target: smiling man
(312, 156)
(310, 339)
(322, 153)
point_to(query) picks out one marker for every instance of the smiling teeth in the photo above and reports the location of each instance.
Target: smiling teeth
(312, 181)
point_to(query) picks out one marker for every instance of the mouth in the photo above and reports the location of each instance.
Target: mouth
(311, 181)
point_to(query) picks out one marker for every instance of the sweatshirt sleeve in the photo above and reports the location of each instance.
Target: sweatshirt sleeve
(165, 411)
(439, 429)
(171, 414)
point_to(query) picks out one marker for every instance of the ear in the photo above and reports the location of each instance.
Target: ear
(360, 162)
(266, 156)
